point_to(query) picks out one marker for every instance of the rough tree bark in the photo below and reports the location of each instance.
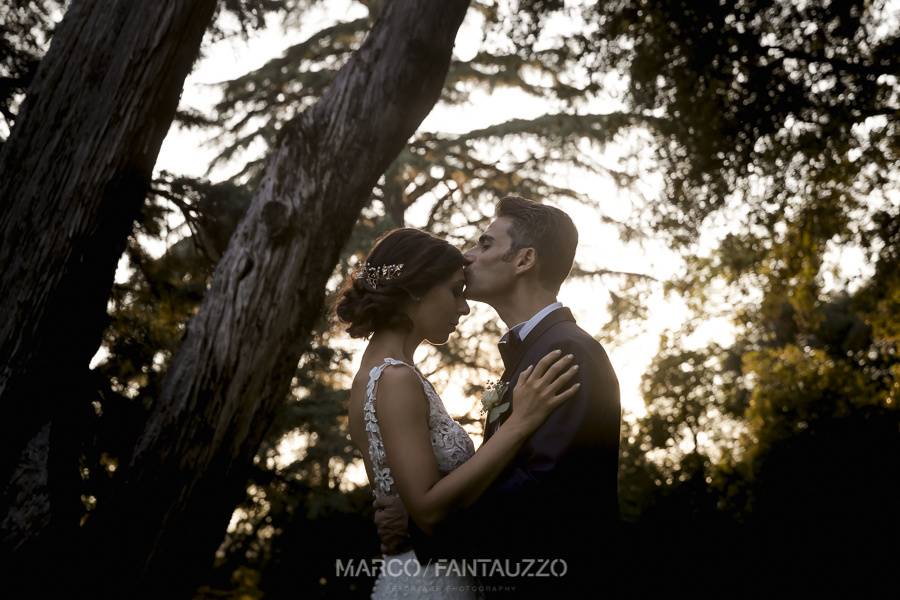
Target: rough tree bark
(234, 367)
(73, 175)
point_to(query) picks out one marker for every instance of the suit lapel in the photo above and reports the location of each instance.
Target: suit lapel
(512, 368)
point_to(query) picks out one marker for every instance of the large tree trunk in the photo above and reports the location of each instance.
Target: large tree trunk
(234, 367)
(73, 176)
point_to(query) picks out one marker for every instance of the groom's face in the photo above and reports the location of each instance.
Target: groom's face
(490, 272)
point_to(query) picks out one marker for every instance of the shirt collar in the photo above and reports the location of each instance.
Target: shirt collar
(524, 328)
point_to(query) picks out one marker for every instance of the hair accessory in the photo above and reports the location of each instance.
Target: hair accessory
(376, 275)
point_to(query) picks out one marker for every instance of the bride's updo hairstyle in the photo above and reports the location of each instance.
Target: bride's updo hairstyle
(427, 260)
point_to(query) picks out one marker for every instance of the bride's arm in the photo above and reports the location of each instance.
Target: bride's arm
(402, 413)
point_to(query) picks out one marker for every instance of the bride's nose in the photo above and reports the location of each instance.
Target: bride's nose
(464, 309)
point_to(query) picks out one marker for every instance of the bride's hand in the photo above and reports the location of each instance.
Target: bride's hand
(539, 389)
(391, 520)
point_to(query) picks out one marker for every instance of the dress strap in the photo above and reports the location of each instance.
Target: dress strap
(384, 481)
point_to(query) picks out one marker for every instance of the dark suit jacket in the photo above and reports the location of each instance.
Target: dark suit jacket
(558, 498)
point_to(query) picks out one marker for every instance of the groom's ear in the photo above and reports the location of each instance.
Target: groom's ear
(526, 259)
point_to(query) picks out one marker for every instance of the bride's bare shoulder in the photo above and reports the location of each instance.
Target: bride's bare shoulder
(399, 376)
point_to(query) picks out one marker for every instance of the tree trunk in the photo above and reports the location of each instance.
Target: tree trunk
(234, 368)
(75, 171)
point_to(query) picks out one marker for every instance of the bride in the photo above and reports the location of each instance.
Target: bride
(411, 289)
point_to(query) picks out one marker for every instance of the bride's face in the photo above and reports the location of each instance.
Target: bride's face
(437, 315)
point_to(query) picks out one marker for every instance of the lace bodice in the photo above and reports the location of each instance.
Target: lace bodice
(451, 444)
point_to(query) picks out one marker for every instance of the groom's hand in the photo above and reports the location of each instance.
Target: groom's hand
(391, 522)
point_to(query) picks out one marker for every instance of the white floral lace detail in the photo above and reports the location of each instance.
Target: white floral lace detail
(451, 444)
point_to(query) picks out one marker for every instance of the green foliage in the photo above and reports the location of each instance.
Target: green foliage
(794, 98)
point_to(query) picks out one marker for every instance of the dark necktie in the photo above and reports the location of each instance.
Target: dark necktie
(510, 348)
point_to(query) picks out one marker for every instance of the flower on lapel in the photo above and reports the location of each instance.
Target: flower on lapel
(490, 401)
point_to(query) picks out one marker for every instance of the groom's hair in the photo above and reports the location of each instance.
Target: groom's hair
(548, 230)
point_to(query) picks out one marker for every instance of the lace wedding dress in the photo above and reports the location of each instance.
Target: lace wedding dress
(401, 575)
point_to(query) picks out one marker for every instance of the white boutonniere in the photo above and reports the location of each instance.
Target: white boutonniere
(490, 402)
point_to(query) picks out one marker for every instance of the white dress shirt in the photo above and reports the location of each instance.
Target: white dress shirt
(526, 327)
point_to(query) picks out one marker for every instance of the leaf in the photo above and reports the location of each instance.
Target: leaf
(497, 411)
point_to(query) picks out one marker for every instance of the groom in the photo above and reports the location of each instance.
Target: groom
(558, 497)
